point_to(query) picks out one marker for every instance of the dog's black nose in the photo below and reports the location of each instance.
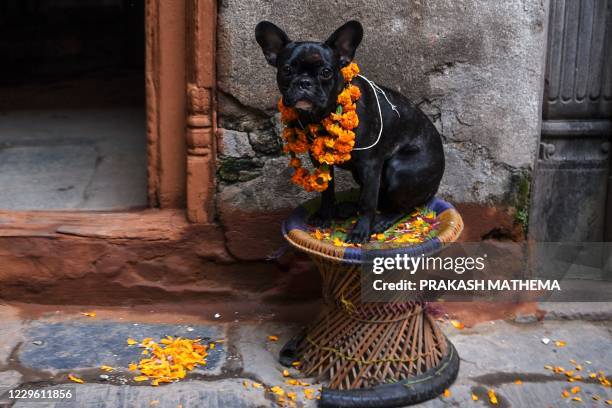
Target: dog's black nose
(305, 83)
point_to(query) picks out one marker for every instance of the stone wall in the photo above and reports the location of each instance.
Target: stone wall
(474, 66)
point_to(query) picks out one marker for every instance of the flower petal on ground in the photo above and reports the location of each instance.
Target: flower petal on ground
(75, 379)
(457, 324)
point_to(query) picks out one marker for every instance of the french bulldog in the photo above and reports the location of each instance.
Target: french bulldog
(404, 165)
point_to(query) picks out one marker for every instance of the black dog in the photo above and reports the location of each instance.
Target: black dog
(404, 165)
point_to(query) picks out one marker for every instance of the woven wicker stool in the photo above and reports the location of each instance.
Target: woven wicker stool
(372, 354)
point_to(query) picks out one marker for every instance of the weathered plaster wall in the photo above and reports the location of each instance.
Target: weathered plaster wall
(475, 66)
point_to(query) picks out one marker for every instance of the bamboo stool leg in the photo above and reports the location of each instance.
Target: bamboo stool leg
(355, 345)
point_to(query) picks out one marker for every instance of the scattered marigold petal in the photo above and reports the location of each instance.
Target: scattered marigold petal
(575, 390)
(89, 314)
(146, 342)
(106, 368)
(318, 234)
(257, 385)
(292, 396)
(133, 367)
(285, 373)
(492, 397)
(447, 393)
(518, 381)
(131, 341)
(272, 338)
(309, 393)
(75, 379)
(296, 363)
(245, 384)
(140, 378)
(560, 343)
(592, 375)
(608, 402)
(565, 394)
(457, 324)
(577, 399)
(474, 397)
(278, 390)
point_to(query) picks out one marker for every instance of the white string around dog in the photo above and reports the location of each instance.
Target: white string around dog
(376, 90)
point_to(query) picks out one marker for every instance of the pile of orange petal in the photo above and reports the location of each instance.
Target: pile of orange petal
(169, 360)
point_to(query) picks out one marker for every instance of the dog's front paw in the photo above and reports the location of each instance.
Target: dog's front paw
(359, 234)
(320, 219)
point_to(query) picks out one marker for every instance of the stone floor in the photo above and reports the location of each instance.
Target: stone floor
(39, 351)
(84, 159)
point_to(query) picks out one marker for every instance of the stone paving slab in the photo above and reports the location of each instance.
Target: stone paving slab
(92, 159)
(77, 345)
(493, 355)
(197, 394)
(11, 332)
(595, 311)
(9, 379)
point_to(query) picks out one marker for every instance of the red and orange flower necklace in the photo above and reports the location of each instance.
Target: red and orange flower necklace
(329, 142)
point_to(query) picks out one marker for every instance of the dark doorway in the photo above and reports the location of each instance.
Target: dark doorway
(72, 105)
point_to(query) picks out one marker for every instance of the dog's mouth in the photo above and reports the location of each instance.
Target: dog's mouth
(304, 105)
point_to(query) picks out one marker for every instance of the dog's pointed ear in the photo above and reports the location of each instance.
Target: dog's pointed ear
(271, 39)
(345, 40)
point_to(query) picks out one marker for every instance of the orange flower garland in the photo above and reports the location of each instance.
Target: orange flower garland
(332, 140)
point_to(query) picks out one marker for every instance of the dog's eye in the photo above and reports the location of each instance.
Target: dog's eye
(326, 73)
(287, 70)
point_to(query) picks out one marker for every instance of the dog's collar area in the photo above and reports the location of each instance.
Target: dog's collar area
(377, 89)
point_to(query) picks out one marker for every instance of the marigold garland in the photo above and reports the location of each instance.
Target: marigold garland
(329, 142)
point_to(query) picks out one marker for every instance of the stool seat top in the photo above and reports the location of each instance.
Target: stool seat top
(296, 231)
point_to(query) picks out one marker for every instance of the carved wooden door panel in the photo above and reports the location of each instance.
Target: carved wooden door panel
(201, 28)
(571, 189)
(180, 83)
